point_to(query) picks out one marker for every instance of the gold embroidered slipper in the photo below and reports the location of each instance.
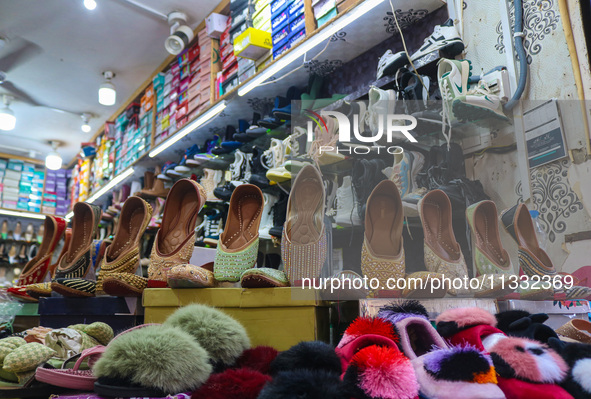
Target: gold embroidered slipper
(263, 277)
(124, 284)
(191, 276)
(239, 243)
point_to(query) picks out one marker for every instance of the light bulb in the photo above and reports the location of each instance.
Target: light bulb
(85, 127)
(90, 4)
(7, 119)
(107, 94)
(53, 161)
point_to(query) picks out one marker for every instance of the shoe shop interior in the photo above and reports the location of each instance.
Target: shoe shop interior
(295, 199)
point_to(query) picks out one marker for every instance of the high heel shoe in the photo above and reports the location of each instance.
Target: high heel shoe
(382, 255)
(304, 243)
(77, 264)
(239, 243)
(122, 258)
(16, 234)
(174, 242)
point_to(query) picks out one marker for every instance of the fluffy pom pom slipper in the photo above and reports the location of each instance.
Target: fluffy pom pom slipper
(308, 384)
(258, 358)
(472, 373)
(313, 355)
(525, 368)
(220, 335)
(520, 323)
(233, 384)
(578, 358)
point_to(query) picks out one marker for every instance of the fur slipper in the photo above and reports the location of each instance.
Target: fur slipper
(526, 369)
(313, 355)
(258, 358)
(233, 384)
(158, 358)
(520, 323)
(442, 372)
(219, 334)
(578, 358)
(305, 384)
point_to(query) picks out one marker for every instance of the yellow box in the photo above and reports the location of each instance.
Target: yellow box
(252, 43)
(262, 18)
(271, 316)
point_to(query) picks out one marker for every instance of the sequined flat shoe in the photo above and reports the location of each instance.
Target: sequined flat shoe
(36, 270)
(174, 242)
(239, 242)
(382, 254)
(77, 262)
(191, 276)
(442, 252)
(123, 255)
(304, 243)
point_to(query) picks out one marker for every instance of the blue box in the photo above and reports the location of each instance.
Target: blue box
(281, 34)
(297, 22)
(280, 50)
(278, 6)
(296, 8)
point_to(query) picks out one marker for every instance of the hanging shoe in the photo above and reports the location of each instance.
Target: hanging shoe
(174, 242)
(442, 252)
(452, 77)
(382, 254)
(238, 245)
(478, 103)
(267, 217)
(347, 205)
(37, 269)
(304, 243)
(77, 264)
(381, 104)
(445, 38)
(122, 258)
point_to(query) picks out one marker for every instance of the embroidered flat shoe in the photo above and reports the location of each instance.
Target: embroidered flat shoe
(191, 276)
(77, 262)
(36, 270)
(123, 255)
(239, 243)
(382, 254)
(174, 242)
(442, 252)
(304, 243)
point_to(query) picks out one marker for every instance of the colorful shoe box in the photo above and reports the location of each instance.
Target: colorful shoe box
(327, 17)
(247, 74)
(262, 18)
(252, 44)
(279, 35)
(215, 24)
(260, 4)
(14, 165)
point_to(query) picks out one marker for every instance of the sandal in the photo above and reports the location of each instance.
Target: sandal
(73, 378)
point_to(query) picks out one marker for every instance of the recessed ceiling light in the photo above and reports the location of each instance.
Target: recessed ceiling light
(90, 4)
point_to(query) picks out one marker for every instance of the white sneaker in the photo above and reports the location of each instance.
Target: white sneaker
(390, 63)
(347, 205)
(452, 76)
(445, 38)
(267, 216)
(381, 104)
(478, 103)
(237, 167)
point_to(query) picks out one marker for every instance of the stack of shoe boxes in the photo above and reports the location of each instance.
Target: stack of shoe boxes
(37, 190)
(288, 24)
(194, 82)
(24, 186)
(324, 11)
(201, 80)
(61, 185)
(158, 84)
(146, 116)
(50, 195)
(10, 184)
(179, 101)
(229, 60)
(127, 138)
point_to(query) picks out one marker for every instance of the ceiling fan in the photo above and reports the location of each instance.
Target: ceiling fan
(23, 50)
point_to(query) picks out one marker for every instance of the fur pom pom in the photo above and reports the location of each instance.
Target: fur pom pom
(467, 317)
(381, 372)
(258, 358)
(578, 357)
(233, 384)
(156, 357)
(308, 384)
(520, 323)
(400, 310)
(460, 363)
(528, 360)
(219, 334)
(369, 325)
(313, 355)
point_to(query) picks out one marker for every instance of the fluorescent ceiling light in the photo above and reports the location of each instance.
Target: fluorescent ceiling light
(22, 214)
(118, 179)
(90, 4)
(107, 93)
(203, 119)
(310, 43)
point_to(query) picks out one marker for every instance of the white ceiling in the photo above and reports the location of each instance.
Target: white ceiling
(75, 46)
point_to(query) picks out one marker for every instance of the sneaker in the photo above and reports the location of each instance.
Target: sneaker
(445, 38)
(238, 167)
(210, 181)
(478, 103)
(202, 157)
(347, 205)
(279, 215)
(267, 217)
(366, 174)
(381, 104)
(225, 192)
(389, 63)
(182, 167)
(214, 225)
(258, 168)
(405, 170)
(452, 76)
(162, 175)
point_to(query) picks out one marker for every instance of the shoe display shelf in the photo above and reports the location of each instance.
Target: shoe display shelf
(345, 37)
(120, 313)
